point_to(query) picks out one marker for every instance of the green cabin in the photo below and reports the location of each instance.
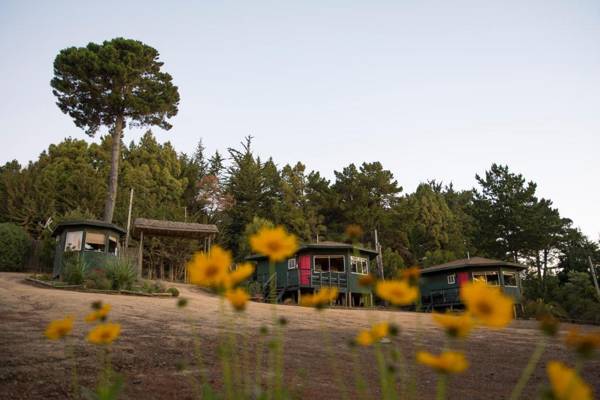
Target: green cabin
(440, 284)
(315, 265)
(95, 241)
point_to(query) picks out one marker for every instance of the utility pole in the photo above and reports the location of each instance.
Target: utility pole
(129, 218)
(379, 256)
(593, 271)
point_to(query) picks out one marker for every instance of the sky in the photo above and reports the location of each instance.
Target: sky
(432, 89)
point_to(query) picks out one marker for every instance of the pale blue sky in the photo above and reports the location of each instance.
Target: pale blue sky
(432, 89)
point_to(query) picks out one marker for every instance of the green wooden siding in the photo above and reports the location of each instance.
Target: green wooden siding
(290, 278)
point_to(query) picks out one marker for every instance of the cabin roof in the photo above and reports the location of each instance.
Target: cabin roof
(87, 223)
(471, 263)
(325, 245)
(172, 228)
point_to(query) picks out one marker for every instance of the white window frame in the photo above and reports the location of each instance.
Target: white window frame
(451, 279)
(513, 274)
(80, 237)
(292, 263)
(329, 257)
(364, 265)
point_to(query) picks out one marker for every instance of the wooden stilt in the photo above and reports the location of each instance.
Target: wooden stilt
(141, 254)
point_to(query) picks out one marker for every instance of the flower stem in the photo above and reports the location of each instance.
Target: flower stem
(528, 371)
(441, 387)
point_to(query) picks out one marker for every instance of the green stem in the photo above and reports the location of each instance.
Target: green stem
(382, 372)
(441, 387)
(528, 371)
(70, 353)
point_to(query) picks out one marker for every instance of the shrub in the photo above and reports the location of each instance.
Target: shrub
(174, 291)
(152, 287)
(14, 244)
(97, 279)
(121, 273)
(74, 269)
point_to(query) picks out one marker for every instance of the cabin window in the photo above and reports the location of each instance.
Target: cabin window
(510, 279)
(292, 263)
(73, 241)
(329, 264)
(95, 241)
(112, 244)
(489, 277)
(451, 279)
(359, 265)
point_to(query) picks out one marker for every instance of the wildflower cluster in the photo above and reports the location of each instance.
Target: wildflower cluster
(212, 270)
(376, 333)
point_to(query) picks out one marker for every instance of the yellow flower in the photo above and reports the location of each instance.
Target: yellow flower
(320, 299)
(380, 330)
(242, 273)
(104, 333)
(364, 338)
(584, 344)
(99, 315)
(59, 328)
(238, 298)
(367, 280)
(397, 292)
(449, 362)
(566, 384)
(411, 275)
(274, 243)
(487, 304)
(455, 325)
(377, 332)
(210, 269)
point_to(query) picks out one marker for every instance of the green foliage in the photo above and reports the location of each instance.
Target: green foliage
(74, 268)
(14, 243)
(96, 279)
(148, 286)
(174, 291)
(392, 263)
(121, 273)
(99, 83)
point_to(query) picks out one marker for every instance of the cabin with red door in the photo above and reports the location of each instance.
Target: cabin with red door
(440, 284)
(315, 265)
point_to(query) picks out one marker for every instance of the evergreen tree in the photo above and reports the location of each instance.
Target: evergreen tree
(113, 84)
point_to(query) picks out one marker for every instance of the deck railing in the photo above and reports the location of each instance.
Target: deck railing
(329, 278)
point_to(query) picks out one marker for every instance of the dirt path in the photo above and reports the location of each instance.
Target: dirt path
(156, 341)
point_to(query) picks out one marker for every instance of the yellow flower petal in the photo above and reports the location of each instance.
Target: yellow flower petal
(487, 304)
(455, 325)
(399, 293)
(449, 362)
(104, 333)
(210, 269)
(237, 298)
(59, 328)
(566, 384)
(274, 243)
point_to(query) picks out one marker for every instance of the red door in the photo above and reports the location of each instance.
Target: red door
(463, 277)
(304, 268)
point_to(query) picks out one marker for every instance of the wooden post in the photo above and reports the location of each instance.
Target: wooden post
(593, 271)
(371, 301)
(129, 219)
(299, 297)
(141, 253)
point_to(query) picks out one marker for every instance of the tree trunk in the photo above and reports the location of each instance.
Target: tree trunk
(111, 194)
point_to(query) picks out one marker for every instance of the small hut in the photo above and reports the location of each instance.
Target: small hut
(440, 284)
(316, 265)
(95, 241)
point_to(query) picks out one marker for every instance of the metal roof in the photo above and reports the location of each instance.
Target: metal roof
(471, 263)
(87, 223)
(172, 228)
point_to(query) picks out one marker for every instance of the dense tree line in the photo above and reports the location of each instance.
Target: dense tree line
(501, 217)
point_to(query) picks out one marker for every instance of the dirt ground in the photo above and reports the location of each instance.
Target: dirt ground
(157, 340)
